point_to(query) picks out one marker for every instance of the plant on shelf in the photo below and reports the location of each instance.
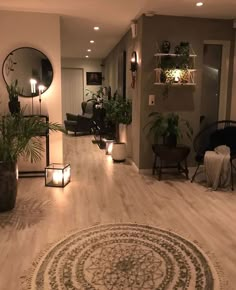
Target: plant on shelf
(168, 126)
(14, 91)
(165, 46)
(118, 111)
(19, 136)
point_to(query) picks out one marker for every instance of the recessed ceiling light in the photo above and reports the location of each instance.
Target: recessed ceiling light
(199, 4)
(89, 50)
(86, 56)
(91, 41)
(96, 28)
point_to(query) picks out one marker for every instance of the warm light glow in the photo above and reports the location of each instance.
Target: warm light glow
(177, 75)
(96, 28)
(41, 88)
(199, 4)
(33, 83)
(133, 59)
(57, 177)
(109, 148)
(91, 41)
(89, 50)
(86, 56)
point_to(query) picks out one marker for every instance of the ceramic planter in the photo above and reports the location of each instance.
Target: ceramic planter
(8, 188)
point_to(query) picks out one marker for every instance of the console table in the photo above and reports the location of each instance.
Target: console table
(170, 157)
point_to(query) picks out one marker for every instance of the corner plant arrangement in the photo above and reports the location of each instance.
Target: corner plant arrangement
(170, 127)
(93, 95)
(19, 136)
(118, 111)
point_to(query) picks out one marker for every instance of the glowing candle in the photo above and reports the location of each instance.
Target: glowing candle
(57, 177)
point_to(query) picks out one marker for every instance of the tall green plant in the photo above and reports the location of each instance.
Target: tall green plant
(13, 90)
(119, 110)
(20, 136)
(164, 125)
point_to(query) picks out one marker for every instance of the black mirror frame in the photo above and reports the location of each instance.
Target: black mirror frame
(12, 64)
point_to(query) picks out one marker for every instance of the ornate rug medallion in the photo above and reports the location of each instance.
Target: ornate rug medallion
(123, 257)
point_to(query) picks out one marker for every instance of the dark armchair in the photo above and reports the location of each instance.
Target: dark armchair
(81, 123)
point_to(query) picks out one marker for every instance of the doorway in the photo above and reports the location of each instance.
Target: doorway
(214, 80)
(72, 90)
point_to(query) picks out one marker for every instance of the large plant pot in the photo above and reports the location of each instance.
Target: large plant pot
(125, 136)
(14, 107)
(8, 186)
(170, 140)
(119, 152)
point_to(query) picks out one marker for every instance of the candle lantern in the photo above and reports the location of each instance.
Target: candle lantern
(57, 175)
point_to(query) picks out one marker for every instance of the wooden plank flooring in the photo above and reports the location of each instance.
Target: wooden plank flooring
(104, 192)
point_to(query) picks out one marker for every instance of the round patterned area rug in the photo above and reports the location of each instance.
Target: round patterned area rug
(123, 257)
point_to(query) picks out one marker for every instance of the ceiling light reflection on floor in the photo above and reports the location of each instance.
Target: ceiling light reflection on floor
(91, 41)
(96, 28)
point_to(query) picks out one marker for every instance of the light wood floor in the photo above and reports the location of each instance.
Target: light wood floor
(103, 192)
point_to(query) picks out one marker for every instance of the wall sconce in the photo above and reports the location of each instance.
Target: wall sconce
(57, 175)
(133, 68)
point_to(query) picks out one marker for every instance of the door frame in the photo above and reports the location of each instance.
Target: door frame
(223, 94)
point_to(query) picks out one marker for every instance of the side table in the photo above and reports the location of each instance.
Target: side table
(170, 157)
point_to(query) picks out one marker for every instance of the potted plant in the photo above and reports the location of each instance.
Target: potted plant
(169, 126)
(118, 111)
(19, 136)
(14, 91)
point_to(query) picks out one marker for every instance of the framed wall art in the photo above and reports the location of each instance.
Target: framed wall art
(94, 78)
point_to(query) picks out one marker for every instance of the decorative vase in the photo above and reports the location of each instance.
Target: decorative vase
(8, 188)
(14, 107)
(165, 46)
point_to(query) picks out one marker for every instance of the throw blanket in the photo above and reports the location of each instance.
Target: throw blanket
(217, 167)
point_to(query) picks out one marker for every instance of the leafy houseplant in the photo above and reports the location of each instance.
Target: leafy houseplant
(170, 127)
(14, 91)
(19, 136)
(118, 111)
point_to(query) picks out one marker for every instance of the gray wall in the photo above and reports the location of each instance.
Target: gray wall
(186, 100)
(128, 44)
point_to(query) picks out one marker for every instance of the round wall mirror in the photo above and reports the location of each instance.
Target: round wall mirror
(28, 65)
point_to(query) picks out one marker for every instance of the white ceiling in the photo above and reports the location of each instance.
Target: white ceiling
(113, 16)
